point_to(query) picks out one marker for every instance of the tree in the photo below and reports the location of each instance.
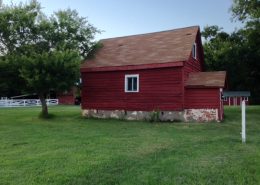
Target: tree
(223, 51)
(239, 51)
(45, 50)
(10, 83)
(246, 10)
(57, 70)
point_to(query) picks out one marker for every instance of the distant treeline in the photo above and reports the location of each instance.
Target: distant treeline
(238, 52)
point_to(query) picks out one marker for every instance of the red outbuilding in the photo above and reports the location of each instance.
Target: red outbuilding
(136, 77)
(68, 97)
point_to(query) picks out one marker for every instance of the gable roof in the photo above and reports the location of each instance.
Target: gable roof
(206, 79)
(151, 48)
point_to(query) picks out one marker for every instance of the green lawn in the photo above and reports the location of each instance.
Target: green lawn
(69, 149)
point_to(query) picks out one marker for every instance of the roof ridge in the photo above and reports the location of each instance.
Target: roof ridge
(142, 34)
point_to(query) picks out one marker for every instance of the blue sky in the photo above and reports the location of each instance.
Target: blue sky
(128, 17)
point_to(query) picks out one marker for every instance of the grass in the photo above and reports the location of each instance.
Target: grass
(69, 149)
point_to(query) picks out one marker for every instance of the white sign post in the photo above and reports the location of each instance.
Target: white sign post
(243, 121)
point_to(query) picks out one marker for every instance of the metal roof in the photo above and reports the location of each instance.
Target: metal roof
(236, 93)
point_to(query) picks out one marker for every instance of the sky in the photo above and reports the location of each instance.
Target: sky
(129, 17)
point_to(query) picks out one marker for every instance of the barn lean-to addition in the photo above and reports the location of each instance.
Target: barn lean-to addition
(132, 77)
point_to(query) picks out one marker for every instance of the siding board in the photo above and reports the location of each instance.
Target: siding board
(158, 89)
(202, 98)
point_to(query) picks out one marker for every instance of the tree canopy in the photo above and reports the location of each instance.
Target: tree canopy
(246, 10)
(237, 52)
(42, 53)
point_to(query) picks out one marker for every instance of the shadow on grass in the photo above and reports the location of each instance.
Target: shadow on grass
(46, 117)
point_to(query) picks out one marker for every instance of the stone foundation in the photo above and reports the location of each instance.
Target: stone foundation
(201, 115)
(187, 115)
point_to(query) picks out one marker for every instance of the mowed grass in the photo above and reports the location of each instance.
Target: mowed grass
(69, 149)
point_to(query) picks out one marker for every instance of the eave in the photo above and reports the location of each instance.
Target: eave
(132, 67)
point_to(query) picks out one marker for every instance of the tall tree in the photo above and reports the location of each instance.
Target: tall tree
(248, 12)
(45, 50)
(237, 52)
(223, 51)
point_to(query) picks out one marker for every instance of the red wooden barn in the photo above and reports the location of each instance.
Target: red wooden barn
(160, 73)
(66, 97)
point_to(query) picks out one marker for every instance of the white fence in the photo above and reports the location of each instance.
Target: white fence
(26, 102)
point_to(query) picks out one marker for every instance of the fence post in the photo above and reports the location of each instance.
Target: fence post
(243, 121)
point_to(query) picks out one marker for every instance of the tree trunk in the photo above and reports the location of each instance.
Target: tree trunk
(44, 113)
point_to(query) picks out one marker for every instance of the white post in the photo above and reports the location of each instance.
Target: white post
(243, 121)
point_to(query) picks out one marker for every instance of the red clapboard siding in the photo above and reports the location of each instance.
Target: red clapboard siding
(66, 99)
(159, 88)
(194, 65)
(202, 98)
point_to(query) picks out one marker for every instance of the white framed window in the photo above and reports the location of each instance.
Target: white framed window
(132, 83)
(246, 98)
(194, 50)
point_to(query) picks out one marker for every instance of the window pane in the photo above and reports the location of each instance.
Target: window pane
(129, 84)
(134, 84)
(194, 51)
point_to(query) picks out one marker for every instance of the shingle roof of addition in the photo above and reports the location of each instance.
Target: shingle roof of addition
(207, 79)
(151, 48)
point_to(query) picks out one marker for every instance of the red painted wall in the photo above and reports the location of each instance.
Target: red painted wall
(194, 65)
(159, 88)
(66, 99)
(202, 98)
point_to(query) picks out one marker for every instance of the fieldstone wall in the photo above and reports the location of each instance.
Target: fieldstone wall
(188, 115)
(118, 114)
(201, 115)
